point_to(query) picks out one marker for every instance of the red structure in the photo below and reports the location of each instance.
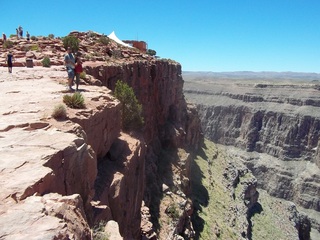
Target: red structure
(141, 45)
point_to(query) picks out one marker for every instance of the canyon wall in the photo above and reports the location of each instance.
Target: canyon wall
(158, 85)
(170, 124)
(278, 121)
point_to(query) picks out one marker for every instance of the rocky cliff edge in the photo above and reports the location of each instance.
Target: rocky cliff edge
(60, 178)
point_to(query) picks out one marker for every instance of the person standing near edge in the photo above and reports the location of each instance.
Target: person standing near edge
(28, 36)
(78, 70)
(9, 62)
(69, 62)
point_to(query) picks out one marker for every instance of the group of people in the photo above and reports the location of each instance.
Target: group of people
(73, 65)
(74, 68)
(19, 31)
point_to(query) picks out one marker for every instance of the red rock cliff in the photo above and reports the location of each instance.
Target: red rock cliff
(169, 123)
(83, 170)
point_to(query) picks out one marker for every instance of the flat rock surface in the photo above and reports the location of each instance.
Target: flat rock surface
(29, 137)
(28, 97)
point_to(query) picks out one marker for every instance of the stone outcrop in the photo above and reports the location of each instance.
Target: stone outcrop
(41, 155)
(82, 170)
(169, 124)
(92, 47)
(120, 185)
(49, 217)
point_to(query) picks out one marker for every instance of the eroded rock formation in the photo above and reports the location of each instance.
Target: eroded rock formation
(83, 170)
(277, 118)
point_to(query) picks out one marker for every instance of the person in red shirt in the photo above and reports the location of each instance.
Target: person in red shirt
(78, 70)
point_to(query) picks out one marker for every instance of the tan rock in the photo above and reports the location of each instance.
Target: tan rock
(49, 217)
(112, 231)
(40, 155)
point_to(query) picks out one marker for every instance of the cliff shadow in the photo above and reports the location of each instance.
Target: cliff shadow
(165, 159)
(161, 181)
(255, 209)
(199, 194)
(107, 166)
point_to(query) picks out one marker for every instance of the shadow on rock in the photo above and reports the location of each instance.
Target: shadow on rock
(199, 194)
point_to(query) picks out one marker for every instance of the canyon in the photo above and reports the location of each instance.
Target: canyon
(83, 177)
(270, 123)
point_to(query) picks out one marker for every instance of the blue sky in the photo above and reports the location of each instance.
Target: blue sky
(203, 35)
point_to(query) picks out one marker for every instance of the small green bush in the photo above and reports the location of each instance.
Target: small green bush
(33, 38)
(75, 100)
(98, 231)
(46, 62)
(59, 112)
(8, 44)
(71, 41)
(104, 40)
(131, 109)
(151, 52)
(51, 36)
(173, 211)
(34, 48)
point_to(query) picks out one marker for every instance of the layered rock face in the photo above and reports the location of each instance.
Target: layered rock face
(40, 155)
(158, 85)
(279, 117)
(82, 170)
(169, 124)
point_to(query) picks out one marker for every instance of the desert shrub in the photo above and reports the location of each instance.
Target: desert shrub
(173, 211)
(8, 44)
(33, 38)
(34, 48)
(75, 100)
(104, 40)
(59, 112)
(13, 36)
(46, 62)
(51, 36)
(98, 231)
(151, 52)
(72, 42)
(131, 109)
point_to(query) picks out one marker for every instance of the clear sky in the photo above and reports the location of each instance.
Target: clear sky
(203, 35)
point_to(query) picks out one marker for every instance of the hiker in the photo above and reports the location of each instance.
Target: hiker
(4, 37)
(9, 61)
(69, 62)
(28, 36)
(20, 31)
(18, 35)
(78, 70)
